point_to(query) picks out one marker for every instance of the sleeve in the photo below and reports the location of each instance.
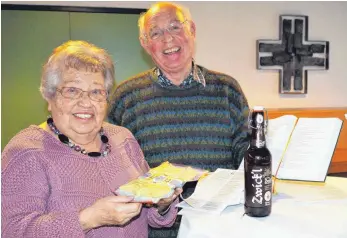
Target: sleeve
(156, 220)
(239, 110)
(116, 109)
(25, 192)
(135, 152)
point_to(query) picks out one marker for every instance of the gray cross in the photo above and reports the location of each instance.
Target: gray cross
(293, 54)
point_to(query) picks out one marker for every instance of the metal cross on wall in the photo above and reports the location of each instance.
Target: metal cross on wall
(293, 54)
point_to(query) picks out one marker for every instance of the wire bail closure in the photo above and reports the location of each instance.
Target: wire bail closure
(266, 119)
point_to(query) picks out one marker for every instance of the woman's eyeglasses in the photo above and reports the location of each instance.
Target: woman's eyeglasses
(97, 95)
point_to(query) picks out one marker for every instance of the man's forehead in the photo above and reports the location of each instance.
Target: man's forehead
(164, 16)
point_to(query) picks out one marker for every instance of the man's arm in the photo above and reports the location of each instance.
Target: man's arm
(239, 113)
(116, 109)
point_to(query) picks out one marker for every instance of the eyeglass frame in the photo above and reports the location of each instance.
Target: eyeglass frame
(81, 92)
(161, 30)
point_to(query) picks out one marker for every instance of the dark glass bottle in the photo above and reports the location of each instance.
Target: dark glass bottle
(258, 168)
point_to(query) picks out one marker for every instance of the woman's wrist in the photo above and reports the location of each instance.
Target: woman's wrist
(85, 219)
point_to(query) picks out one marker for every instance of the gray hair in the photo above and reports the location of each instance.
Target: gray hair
(79, 55)
(157, 7)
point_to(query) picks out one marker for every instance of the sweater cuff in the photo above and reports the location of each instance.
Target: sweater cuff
(65, 224)
(163, 220)
(162, 213)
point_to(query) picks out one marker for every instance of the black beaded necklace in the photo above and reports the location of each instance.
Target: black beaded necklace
(64, 139)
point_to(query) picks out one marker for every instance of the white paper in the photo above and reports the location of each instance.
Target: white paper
(277, 136)
(242, 165)
(301, 211)
(214, 193)
(287, 220)
(310, 149)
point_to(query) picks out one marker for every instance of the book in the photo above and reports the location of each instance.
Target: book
(302, 148)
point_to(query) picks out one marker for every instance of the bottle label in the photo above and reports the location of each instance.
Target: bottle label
(259, 118)
(258, 130)
(258, 187)
(260, 143)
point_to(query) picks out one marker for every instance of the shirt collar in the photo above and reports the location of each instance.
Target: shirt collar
(195, 75)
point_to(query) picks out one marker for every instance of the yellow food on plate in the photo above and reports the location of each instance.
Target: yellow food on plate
(159, 182)
(146, 188)
(175, 172)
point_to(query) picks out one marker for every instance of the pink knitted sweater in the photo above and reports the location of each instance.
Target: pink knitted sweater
(45, 183)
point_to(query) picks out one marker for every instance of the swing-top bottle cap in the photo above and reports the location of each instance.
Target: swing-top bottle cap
(258, 108)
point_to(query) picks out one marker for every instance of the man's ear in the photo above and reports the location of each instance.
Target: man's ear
(192, 28)
(144, 44)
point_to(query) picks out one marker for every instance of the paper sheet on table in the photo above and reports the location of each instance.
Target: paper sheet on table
(219, 190)
(287, 220)
(331, 192)
(299, 210)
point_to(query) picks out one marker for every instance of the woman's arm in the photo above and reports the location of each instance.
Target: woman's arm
(155, 219)
(25, 193)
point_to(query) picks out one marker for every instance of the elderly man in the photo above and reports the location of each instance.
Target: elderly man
(180, 111)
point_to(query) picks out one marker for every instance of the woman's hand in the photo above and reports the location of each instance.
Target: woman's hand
(112, 210)
(165, 203)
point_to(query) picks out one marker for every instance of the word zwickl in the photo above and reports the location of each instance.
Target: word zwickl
(258, 185)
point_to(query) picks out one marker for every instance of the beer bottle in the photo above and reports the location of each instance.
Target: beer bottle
(258, 168)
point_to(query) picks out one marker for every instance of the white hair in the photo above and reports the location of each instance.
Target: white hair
(79, 55)
(158, 7)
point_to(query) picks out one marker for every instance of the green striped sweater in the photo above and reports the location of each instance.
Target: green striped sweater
(205, 127)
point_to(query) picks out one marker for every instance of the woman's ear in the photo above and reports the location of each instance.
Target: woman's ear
(49, 106)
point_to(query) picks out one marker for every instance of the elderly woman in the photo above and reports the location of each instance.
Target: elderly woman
(58, 178)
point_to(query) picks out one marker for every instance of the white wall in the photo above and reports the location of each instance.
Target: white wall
(226, 42)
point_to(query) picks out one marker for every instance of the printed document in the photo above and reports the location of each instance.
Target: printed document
(213, 194)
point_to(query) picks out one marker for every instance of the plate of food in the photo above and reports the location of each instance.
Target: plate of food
(160, 182)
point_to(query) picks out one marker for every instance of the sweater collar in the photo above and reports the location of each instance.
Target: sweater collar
(196, 76)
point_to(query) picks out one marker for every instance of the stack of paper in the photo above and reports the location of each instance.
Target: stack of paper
(217, 191)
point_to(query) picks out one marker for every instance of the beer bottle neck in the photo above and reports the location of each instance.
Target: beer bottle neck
(258, 138)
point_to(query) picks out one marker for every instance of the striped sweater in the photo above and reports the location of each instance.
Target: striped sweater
(199, 126)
